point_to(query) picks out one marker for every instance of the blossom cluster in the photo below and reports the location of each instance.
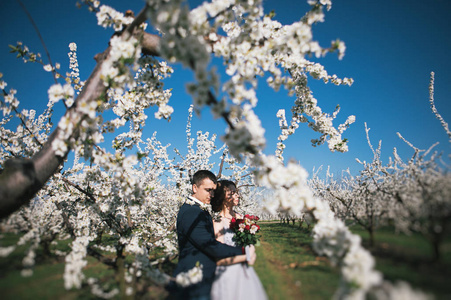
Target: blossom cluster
(10, 102)
(24, 52)
(74, 75)
(109, 17)
(57, 92)
(190, 277)
(115, 71)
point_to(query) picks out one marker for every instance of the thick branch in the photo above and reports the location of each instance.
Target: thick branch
(150, 44)
(21, 179)
(89, 195)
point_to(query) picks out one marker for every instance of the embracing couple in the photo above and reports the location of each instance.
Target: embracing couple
(225, 266)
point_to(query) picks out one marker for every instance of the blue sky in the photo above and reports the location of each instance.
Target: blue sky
(392, 46)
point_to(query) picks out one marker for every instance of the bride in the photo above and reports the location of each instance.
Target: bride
(232, 281)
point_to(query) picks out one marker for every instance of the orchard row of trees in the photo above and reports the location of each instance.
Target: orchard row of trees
(130, 191)
(412, 194)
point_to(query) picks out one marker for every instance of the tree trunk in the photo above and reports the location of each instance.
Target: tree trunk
(371, 232)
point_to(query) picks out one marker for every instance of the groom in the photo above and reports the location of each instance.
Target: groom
(196, 238)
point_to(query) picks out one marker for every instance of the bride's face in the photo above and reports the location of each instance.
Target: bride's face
(231, 196)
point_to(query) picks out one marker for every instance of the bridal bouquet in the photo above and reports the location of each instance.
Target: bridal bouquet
(245, 230)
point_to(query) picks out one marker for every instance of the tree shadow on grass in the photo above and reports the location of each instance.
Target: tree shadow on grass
(419, 269)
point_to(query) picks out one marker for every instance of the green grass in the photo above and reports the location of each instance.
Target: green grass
(399, 257)
(410, 258)
(45, 283)
(287, 266)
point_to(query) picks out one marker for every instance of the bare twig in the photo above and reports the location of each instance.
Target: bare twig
(40, 38)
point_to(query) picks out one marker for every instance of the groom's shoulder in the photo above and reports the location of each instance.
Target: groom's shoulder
(188, 214)
(189, 209)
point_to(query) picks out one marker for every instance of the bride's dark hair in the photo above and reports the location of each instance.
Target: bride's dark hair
(218, 199)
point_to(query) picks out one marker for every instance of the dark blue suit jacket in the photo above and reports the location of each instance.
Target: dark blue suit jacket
(197, 243)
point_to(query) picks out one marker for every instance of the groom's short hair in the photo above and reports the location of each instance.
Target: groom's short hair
(200, 175)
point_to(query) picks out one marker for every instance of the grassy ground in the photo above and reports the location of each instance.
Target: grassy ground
(45, 283)
(286, 265)
(288, 268)
(409, 258)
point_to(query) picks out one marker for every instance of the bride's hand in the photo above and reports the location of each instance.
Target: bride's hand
(252, 254)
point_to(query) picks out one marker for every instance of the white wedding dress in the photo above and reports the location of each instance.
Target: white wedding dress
(238, 281)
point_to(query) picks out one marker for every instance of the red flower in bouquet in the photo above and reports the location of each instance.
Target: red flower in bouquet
(245, 230)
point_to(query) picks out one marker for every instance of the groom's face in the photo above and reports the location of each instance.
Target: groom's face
(204, 191)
